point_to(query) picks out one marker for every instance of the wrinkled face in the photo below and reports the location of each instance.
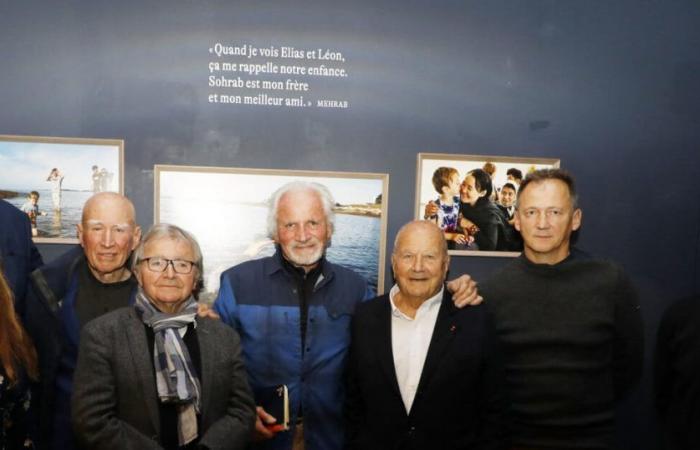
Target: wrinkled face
(468, 192)
(507, 196)
(419, 261)
(546, 218)
(108, 235)
(167, 290)
(303, 232)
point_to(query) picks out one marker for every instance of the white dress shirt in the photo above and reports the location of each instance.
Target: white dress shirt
(410, 339)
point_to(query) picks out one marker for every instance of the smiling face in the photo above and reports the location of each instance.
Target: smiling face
(167, 290)
(108, 235)
(303, 231)
(419, 261)
(546, 218)
(468, 191)
(507, 196)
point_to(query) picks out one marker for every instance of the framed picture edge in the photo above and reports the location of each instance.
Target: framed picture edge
(384, 177)
(421, 156)
(71, 141)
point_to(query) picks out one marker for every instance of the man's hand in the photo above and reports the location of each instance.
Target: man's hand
(204, 310)
(464, 291)
(264, 428)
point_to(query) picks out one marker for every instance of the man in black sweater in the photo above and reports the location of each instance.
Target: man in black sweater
(569, 326)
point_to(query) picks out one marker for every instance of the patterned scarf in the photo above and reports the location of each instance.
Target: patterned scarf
(176, 379)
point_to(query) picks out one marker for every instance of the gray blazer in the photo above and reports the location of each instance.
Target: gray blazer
(115, 404)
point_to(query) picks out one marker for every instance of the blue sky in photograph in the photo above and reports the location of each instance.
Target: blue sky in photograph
(257, 188)
(26, 165)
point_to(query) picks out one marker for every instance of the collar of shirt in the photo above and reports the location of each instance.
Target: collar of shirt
(428, 305)
(410, 340)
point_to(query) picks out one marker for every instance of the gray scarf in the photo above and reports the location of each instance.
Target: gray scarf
(176, 378)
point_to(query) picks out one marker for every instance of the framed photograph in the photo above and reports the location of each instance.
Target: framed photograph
(50, 178)
(472, 198)
(226, 210)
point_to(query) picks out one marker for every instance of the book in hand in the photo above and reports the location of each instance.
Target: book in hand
(275, 400)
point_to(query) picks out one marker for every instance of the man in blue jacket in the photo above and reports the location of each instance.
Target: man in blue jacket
(84, 283)
(18, 254)
(293, 312)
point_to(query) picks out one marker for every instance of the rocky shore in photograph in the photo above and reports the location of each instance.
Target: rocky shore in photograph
(8, 194)
(366, 209)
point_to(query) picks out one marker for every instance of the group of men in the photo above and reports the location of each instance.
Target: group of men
(540, 364)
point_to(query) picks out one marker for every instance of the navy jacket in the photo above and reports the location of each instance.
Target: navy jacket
(460, 401)
(259, 299)
(54, 327)
(18, 254)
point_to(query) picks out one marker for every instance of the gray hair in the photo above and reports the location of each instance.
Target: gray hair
(322, 191)
(166, 230)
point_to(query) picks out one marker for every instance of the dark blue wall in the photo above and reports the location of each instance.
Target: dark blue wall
(617, 82)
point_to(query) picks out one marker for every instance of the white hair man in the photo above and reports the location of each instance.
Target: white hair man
(293, 311)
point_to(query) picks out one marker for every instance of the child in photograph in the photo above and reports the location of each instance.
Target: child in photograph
(446, 182)
(96, 179)
(56, 179)
(31, 208)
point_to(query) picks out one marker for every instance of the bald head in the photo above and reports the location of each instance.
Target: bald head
(108, 234)
(419, 261)
(424, 228)
(108, 200)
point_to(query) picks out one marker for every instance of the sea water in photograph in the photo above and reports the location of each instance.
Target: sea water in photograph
(55, 224)
(231, 232)
(76, 168)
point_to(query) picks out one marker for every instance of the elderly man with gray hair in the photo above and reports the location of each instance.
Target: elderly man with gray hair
(154, 375)
(293, 312)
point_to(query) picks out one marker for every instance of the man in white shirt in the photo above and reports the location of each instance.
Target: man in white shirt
(422, 373)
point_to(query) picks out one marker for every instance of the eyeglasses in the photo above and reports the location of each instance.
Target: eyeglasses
(158, 264)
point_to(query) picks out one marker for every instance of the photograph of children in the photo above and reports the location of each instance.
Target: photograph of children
(472, 198)
(50, 179)
(226, 210)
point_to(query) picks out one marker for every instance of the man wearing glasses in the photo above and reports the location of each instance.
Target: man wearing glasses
(85, 283)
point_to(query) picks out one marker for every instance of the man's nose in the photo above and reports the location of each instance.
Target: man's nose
(417, 264)
(107, 238)
(542, 220)
(302, 234)
(170, 270)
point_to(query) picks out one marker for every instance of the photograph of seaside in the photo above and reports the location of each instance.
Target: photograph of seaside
(226, 210)
(428, 163)
(64, 172)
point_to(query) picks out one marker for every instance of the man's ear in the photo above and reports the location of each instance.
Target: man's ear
(79, 231)
(576, 219)
(137, 238)
(516, 218)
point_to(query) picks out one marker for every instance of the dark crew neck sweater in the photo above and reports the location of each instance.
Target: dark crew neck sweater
(572, 339)
(95, 298)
